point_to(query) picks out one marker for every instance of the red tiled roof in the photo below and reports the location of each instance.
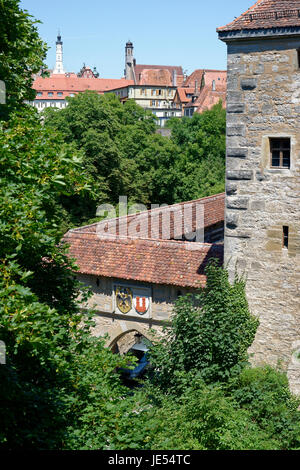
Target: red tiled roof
(219, 76)
(155, 77)
(158, 262)
(265, 14)
(158, 74)
(139, 68)
(208, 98)
(74, 84)
(150, 222)
(182, 93)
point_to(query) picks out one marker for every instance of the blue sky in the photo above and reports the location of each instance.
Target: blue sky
(164, 32)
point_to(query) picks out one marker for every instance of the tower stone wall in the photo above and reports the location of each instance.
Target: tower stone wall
(263, 103)
(129, 62)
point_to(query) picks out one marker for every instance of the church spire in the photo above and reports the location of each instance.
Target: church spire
(59, 68)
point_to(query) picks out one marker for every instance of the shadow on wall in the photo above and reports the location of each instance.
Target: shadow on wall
(215, 252)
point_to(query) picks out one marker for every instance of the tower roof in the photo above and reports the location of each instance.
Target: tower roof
(59, 41)
(266, 14)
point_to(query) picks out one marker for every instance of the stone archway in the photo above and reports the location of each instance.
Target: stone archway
(124, 341)
(124, 330)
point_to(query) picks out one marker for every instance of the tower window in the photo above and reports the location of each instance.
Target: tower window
(285, 237)
(298, 58)
(280, 150)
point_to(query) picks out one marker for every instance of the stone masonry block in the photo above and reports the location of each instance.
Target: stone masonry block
(234, 97)
(239, 174)
(235, 108)
(236, 131)
(248, 83)
(232, 220)
(240, 203)
(231, 189)
(237, 152)
(258, 205)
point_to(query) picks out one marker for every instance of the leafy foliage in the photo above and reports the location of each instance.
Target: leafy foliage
(264, 392)
(47, 338)
(201, 140)
(210, 332)
(60, 388)
(123, 154)
(22, 54)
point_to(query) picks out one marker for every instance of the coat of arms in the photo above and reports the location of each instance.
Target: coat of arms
(124, 299)
(141, 304)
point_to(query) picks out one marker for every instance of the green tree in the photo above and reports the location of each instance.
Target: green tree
(123, 154)
(22, 54)
(201, 141)
(210, 332)
(110, 136)
(50, 350)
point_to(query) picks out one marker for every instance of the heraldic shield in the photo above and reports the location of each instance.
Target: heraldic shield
(141, 304)
(124, 299)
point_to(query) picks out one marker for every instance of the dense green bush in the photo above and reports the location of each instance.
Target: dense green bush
(210, 332)
(264, 393)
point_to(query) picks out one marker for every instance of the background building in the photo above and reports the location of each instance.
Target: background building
(52, 91)
(162, 89)
(201, 91)
(159, 99)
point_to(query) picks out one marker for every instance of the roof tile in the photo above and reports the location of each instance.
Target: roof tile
(140, 258)
(266, 14)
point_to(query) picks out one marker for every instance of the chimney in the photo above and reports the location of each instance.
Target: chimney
(196, 86)
(174, 77)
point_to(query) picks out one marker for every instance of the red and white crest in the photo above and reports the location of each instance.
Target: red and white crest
(141, 304)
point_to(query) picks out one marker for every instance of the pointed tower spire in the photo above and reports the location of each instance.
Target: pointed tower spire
(59, 68)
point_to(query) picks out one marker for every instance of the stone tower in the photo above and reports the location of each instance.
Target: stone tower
(59, 68)
(262, 236)
(129, 62)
